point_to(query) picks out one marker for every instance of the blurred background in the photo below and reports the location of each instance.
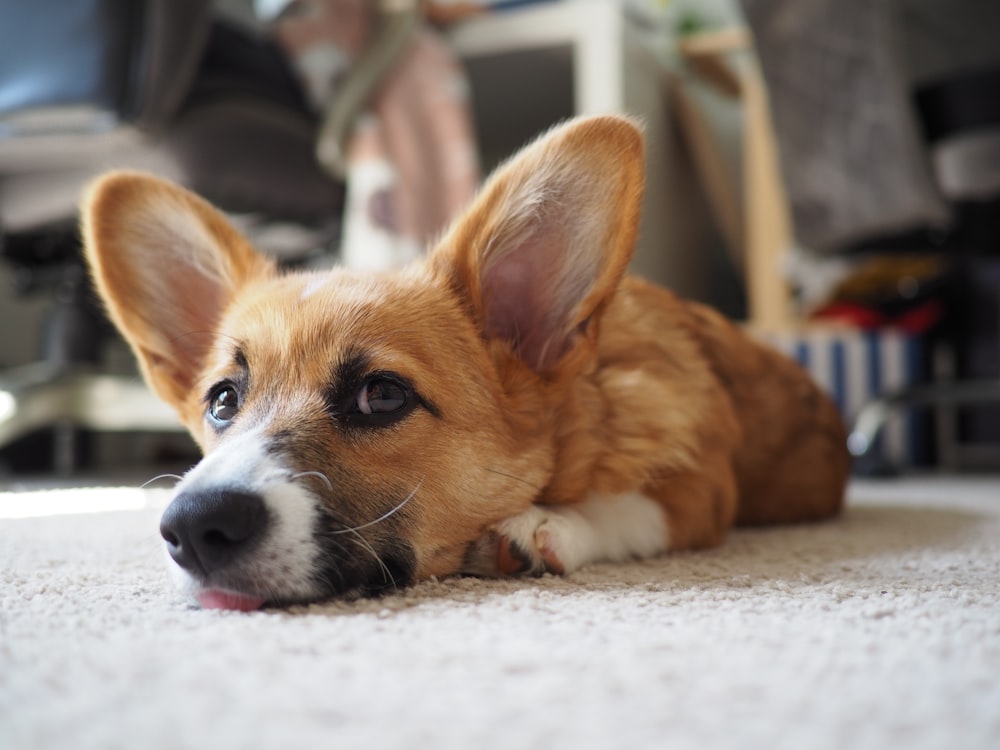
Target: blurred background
(827, 172)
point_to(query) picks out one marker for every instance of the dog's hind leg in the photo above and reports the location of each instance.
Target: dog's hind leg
(562, 538)
(700, 505)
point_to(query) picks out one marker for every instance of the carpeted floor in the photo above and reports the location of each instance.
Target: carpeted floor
(880, 630)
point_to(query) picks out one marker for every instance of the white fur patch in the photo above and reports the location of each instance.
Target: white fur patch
(601, 528)
(313, 285)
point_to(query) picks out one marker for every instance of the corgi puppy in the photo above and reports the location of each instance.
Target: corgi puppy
(512, 404)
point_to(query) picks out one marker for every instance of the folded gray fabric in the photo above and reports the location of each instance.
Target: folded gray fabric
(852, 155)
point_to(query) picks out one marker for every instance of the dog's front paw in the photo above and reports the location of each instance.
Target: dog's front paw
(527, 544)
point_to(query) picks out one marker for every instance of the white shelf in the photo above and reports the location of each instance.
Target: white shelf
(535, 65)
(595, 31)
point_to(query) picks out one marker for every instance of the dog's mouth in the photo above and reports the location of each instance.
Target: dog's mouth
(252, 585)
(212, 598)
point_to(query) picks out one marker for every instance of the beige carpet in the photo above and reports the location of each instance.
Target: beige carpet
(880, 630)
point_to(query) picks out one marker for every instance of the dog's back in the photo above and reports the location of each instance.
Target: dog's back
(789, 447)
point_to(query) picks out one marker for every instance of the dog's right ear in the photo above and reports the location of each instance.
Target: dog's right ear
(167, 265)
(539, 254)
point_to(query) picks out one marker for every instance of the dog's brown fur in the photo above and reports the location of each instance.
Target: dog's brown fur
(545, 374)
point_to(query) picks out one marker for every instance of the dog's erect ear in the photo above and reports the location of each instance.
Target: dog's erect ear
(166, 264)
(546, 242)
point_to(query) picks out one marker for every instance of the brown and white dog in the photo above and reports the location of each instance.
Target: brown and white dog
(512, 404)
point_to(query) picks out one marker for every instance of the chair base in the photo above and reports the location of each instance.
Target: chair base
(72, 397)
(862, 441)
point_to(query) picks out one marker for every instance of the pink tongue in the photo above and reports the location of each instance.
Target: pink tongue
(219, 599)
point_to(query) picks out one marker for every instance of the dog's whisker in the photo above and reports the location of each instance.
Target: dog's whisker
(384, 516)
(516, 478)
(366, 545)
(176, 477)
(325, 576)
(324, 573)
(317, 474)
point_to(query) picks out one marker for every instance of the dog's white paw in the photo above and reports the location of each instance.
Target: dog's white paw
(530, 543)
(562, 538)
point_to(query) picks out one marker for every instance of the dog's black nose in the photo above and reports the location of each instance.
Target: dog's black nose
(206, 530)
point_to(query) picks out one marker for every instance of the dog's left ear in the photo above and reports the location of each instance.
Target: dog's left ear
(546, 242)
(167, 265)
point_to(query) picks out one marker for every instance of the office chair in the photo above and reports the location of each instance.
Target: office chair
(157, 85)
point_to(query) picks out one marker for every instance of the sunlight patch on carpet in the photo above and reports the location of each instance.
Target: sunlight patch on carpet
(71, 501)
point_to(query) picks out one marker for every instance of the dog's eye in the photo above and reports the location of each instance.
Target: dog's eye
(375, 400)
(224, 403)
(381, 396)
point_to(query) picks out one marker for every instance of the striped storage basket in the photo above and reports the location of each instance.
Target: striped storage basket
(855, 366)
